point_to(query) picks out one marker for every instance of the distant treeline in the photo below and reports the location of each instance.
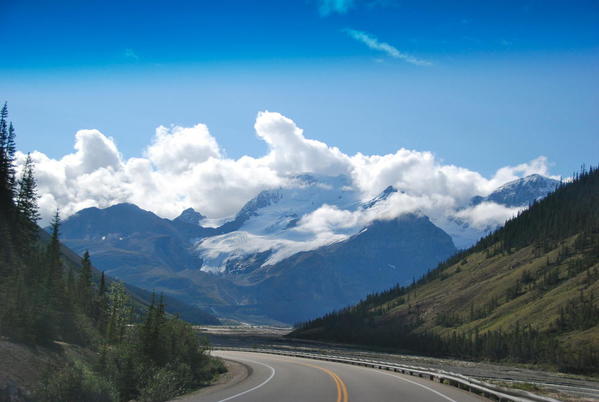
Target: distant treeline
(572, 209)
(43, 298)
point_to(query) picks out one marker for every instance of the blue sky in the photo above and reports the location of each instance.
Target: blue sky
(480, 84)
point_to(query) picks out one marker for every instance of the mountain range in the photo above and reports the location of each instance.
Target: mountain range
(272, 263)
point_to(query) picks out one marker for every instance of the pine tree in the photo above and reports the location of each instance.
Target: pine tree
(147, 330)
(85, 283)
(27, 195)
(55, 269)
(6, 194)
(100, 307)
(11, 149)
(118, 312)
(27, 208)
(102, 287)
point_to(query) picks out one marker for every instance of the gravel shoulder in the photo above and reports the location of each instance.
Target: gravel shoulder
(236, 373)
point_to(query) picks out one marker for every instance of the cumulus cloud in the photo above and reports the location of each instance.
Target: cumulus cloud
(373, 43)
(487, 215)
(185, 167)
(290, 152)
(179, 149)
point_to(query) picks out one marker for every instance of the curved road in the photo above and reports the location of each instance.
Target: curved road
(276, 378)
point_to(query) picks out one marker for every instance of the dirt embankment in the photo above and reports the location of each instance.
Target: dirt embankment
(22, 367)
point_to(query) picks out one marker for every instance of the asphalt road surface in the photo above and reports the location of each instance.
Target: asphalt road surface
(276, 378)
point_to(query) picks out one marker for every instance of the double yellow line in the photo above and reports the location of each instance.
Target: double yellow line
(342, 395)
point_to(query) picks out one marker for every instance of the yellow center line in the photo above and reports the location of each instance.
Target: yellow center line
(342, 395)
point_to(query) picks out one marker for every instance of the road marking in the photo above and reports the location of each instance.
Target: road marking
(342, 395)
(420, 385)
(272, 374)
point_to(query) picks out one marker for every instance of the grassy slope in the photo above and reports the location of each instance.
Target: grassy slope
(477, 280)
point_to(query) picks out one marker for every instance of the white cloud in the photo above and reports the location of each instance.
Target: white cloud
(328, 7)
(373, 43)
(290, 152)
(487, 215)
(185, 167)
(179, 149)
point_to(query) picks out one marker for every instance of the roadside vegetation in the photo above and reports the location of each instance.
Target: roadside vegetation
(140, 353)
(527, 293)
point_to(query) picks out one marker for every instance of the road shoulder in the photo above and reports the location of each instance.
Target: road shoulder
(236, 373)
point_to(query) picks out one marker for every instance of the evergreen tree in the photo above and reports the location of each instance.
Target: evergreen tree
(6, 160)
(119, 312)
(11, 149)
(55, 269)
(27, 195)
(100, 306)
(27, 208)
(102, 287)
(85, 286)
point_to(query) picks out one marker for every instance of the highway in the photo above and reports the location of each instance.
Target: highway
(274, 378)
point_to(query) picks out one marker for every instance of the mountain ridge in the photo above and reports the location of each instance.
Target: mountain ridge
(173, 256)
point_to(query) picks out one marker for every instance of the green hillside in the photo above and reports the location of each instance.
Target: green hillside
(528, 292)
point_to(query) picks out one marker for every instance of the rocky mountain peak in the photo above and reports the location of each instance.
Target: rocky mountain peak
(190, 215)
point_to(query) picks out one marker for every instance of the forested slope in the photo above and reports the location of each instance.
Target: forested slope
(528, 292)
(48, 300)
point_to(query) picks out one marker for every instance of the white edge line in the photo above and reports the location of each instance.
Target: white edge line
(420, 385)
(272, 374)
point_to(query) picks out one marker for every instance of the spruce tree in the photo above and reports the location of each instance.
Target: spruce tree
(55, 270)
(26, 204)
(118, 312)
(6, 194)
(11, 149)
(100, 307)
(85, 283)
(102, 287)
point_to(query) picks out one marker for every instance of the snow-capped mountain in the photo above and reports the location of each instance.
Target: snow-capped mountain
(270, 224)
(276, 224)
(465, 226)
(379, 198)
(520, 192)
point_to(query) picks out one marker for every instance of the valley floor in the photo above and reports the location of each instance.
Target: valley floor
(561, 386)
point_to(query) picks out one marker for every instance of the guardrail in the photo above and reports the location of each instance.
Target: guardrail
(484, 389)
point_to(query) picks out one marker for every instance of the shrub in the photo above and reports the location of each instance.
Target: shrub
(74, 383)
(166, 383)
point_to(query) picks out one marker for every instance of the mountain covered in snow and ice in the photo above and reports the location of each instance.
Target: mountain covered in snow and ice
(314, 242)
(520, 192)
(272, 223)
(466, 225)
